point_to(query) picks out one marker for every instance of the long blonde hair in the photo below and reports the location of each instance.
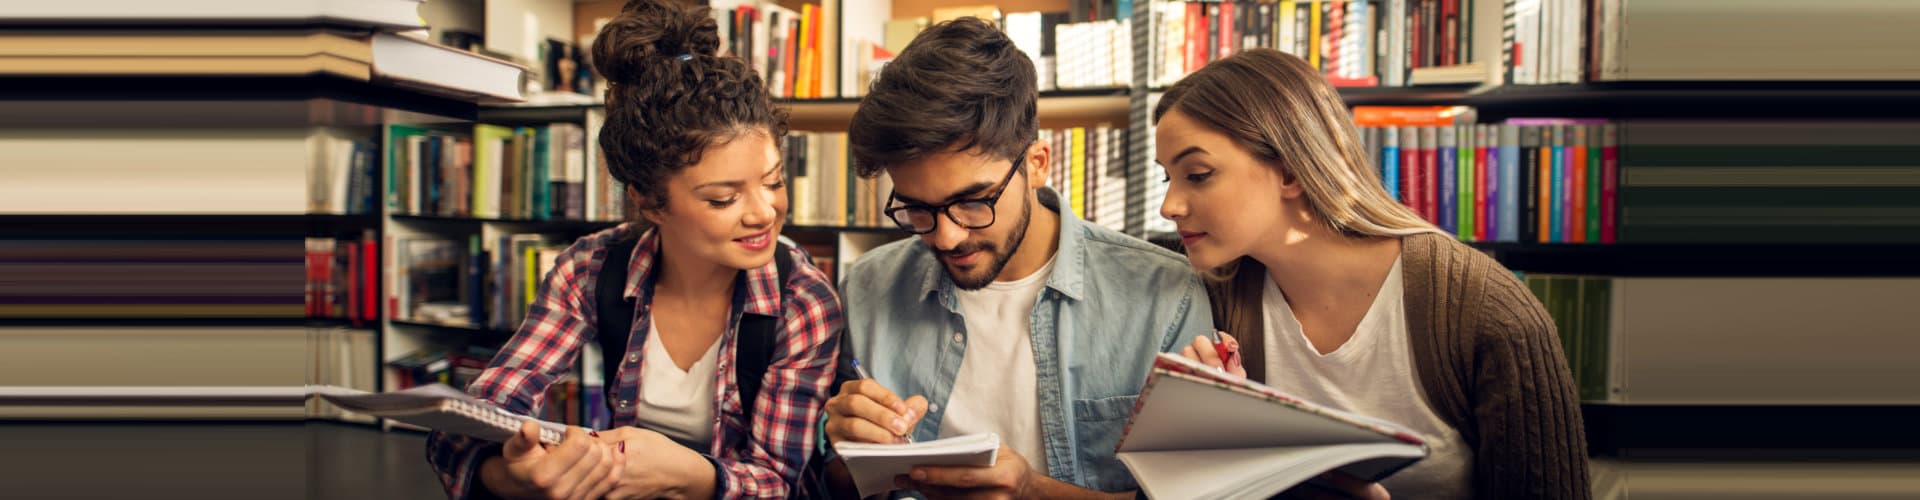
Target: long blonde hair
(1281, 109)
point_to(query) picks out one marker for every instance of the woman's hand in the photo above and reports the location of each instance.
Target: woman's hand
(1207, 353)
(656, 466)
(577, 468)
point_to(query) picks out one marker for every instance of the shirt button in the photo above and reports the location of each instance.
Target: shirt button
(959, 338)
(624, 403)
(633, 358)
(932, 407)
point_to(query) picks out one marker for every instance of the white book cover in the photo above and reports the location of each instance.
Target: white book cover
(440, 69)
(862, 20)
(1526, 42)
(873, 466)
(379, 14)
(1255, 442)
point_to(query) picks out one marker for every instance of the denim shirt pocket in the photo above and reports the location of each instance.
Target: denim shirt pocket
(1099, 424)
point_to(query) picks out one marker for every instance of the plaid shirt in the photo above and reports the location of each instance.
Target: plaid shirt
(758, 457)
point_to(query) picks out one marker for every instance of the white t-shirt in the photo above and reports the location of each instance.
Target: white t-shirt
(1371, 374)
(677, 403)
(996, 390)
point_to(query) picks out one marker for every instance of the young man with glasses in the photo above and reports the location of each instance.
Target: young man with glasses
(1009, 314)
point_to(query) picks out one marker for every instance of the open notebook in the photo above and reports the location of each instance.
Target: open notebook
(1198, 432)
(442, 408)
(873, 466)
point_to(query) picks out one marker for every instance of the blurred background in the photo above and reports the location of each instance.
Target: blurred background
(207, 205)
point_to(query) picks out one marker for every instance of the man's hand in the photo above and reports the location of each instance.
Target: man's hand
(577, 468)
(656, 467)
(865, 412)
(1009, 477)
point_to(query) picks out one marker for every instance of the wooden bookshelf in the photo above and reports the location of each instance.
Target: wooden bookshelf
(1706, 260)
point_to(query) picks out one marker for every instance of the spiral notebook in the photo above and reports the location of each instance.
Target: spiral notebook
(442, 408)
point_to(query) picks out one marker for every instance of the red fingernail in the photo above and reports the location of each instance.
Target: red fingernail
(593, 433)
(623, 447)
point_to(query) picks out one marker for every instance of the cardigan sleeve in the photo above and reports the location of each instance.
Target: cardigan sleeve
(1531, 440)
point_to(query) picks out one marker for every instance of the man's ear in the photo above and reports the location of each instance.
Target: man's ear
(1039, 164)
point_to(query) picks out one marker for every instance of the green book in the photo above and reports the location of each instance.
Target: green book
(1595, 146)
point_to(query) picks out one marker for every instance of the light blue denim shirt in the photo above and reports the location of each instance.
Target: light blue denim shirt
(1112, 303)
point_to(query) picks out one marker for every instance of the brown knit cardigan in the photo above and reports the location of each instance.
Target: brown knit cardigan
(1488, 360)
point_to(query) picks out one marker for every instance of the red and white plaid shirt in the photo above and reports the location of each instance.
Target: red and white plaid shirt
(758, 457)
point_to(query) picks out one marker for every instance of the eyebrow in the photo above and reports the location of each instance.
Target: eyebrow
(737, 184)
(1184, 153)
(968, 192)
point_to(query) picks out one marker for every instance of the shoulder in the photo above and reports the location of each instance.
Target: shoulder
(1494, 305)
(808, 286)
(886, 265)
(1115, 256)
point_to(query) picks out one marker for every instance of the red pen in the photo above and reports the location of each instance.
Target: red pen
(1226, 355)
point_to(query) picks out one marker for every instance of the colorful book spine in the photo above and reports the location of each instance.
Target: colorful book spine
(1596, 189)
(1390, 161)
(1429, 173)
(1577, 184)
(1543, 186)
(1557, 199)
(1484, 167)
(1510, 183)
(1449, 169)
(1610, 184)
(1409, 166)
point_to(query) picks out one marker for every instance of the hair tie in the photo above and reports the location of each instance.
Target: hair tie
(686, 57)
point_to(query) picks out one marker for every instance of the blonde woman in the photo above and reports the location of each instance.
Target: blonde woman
(1343, 296)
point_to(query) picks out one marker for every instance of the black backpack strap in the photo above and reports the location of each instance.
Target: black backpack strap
(754, 349)
(614, 313)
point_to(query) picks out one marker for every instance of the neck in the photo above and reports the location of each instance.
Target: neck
(1318, 267)
(692, 278)
(1036, 248)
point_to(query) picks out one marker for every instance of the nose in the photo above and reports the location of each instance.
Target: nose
(762, 209)
(1174, 207)
(946, 234)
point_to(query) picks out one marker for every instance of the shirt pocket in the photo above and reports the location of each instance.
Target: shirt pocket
(1099, 424)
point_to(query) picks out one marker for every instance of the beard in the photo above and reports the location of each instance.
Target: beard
(980, 277)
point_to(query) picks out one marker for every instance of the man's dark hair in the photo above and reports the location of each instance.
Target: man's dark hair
(959, 86)
(671, 97)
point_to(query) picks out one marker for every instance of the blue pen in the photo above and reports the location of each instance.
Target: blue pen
(862, 372)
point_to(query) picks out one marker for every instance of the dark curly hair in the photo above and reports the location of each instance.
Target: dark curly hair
(959, 86)
(671, 97)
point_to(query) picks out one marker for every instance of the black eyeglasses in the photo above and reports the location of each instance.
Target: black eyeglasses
(970, 214)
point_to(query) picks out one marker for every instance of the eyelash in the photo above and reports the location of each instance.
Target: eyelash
(1193, 178)
(729, 201)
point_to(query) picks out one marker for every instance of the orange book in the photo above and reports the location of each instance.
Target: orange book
(809, 27)
(1545, 189)
(1411, 116)
(816, 58)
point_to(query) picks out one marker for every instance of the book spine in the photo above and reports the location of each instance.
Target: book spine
(1577, 184)
(1449, 171)
(1509, 184)
(1557, 227)
(1390, 161)
(1610, 179)
(1596, 190)
(1485, 186)
(1409, 160)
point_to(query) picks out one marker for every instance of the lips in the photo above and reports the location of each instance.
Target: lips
(962, 260)
(1188, 237)
(757, 241)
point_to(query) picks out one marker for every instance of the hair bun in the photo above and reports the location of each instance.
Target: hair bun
(647, 34)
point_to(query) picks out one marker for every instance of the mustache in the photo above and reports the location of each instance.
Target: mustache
(964, 248)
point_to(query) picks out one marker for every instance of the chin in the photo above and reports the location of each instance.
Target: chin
(1204, 259)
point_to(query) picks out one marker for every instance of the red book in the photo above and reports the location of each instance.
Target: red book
(1610, 184)
(1577, 180)
(1430, 174)
(1482, 183)
(370, 264)
(1227, 31)
(1410, 160)
(1196, 36)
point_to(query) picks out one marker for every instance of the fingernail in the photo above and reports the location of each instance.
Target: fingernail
(899, 408)
(919, 475)
(623, 447)
(899, 425)
(593, 433)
